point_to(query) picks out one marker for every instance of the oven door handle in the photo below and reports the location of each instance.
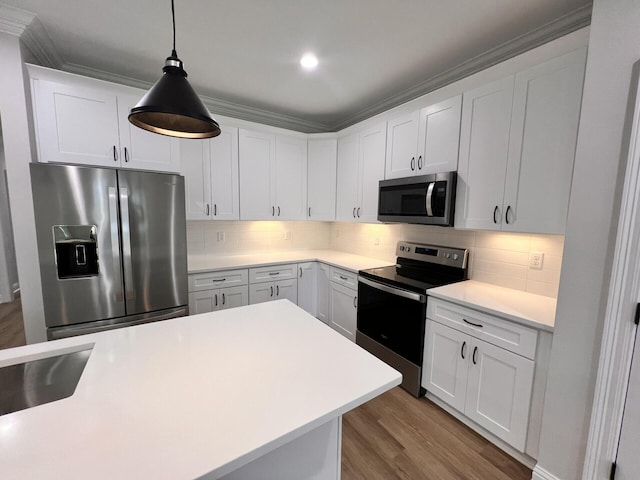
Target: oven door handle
(416, 297)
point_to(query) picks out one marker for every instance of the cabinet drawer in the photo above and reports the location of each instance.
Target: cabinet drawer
(344, 277)
(273, 273)
(502, 333)
(222, 278)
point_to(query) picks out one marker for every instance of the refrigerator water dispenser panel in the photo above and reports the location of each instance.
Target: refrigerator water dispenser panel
(76, 250)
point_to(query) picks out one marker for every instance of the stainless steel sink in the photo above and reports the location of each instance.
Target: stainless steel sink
(45, 380)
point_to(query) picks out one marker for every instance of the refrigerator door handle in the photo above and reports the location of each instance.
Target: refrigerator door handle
(126, 244)
(115, 242)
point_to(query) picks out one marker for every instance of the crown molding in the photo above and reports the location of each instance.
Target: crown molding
(215, 105)
(557, 28)
(13, 20)
(39, 43)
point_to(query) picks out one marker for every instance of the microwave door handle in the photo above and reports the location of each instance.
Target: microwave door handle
(429, 199)
(115, 242)
(126, 244)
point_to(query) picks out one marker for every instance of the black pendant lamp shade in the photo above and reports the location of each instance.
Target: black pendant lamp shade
(171, 107)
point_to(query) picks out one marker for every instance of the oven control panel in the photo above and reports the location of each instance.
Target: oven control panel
(454, 257)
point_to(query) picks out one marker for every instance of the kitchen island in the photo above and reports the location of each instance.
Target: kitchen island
(252, 392)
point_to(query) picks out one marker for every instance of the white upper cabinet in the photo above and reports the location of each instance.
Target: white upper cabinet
(361, 163)
(484, 147)
(321, 179)
(424, 141)
(143, 150)
(402, 146)
(84, 122)
(273, 176)
(517, 149)
(439, 137)
(544, 129)
(210, 169)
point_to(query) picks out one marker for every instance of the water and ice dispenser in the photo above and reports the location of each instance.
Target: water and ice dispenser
(76, 250)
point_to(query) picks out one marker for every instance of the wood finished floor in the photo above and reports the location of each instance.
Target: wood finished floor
(396, 436)
(393, 437)
(11, 326)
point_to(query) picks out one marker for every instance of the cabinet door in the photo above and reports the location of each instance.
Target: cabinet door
(544, 130)
(76, 124)
(321, 175)
(484, 146)
(141, 149)
(439, 137)
(195, 166)
(291, 178)
(344, 310)
(446, 355)
(307, 287)
(232, 297)
(372, 156)
(323, 292)
(499, 392)
(402, 145)
(225, 197)
(256, 156)
(261, 292)
(347, 177)
(287, 289)
(203, 301)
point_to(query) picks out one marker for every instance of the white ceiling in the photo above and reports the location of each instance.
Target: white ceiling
(374, 54)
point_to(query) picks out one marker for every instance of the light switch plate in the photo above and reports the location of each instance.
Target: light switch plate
(535, 260)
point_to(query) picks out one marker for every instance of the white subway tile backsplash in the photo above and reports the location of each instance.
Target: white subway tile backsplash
(496, 257)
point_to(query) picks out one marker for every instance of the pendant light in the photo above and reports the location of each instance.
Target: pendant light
(171, 107)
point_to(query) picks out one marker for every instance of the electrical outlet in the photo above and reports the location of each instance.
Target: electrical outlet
(535, 260)
(220, 237)
(376, 240)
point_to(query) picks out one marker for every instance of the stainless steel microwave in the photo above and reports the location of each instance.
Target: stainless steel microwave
(425, 199)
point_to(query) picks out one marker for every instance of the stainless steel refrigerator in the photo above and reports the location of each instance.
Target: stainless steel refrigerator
(111, 245)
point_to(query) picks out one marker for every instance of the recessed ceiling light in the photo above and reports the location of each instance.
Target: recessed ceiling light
(309, 61)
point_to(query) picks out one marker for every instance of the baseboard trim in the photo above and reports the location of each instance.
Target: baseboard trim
(540, 473)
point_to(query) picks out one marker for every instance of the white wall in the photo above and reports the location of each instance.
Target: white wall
(614, 47)
(19, 151)
(8, 267)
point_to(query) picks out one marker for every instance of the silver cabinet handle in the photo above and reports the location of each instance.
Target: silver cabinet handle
(420, 162)
(354, 212)
(358, 212)
(300, 272)
(355, 302)
(272, 290)
(126, 244)
(115, 154)
(223, 299)
(115, 242)
(413, 163)
(429, 200)
(278, 210)
(126, 155)
(277, 290)
(216, 299)
(215, 209)
(207, 209)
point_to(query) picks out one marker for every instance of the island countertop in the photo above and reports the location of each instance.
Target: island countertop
(191, 396)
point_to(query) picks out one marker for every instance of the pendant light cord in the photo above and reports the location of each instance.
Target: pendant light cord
(173, 17)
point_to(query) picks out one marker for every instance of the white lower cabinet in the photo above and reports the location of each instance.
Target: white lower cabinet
(274, 282)
(343, 309)
(219, 299)
(323, 275)
(490, 385)
(307, 287)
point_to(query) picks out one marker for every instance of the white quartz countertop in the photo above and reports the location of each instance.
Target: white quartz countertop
(348, 261)
(526, 308)
(197, 395)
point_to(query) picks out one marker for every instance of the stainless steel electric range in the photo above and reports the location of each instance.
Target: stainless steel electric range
(392, 305)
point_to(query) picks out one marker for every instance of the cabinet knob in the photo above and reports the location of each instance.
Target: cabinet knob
(506, 214)
(464, 344)
(358, 212)
(272, 291)
(355, 302)
(413, 163)
(278, 210)
(354, 212)
(207, 210)
(495, 211)
(126, 155)
(216, 299)
(475, 350)
(277, 290)
(215, 209)
(420, 162)
(223, 299)
(115, 154)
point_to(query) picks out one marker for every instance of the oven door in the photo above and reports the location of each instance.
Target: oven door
(393, 317)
